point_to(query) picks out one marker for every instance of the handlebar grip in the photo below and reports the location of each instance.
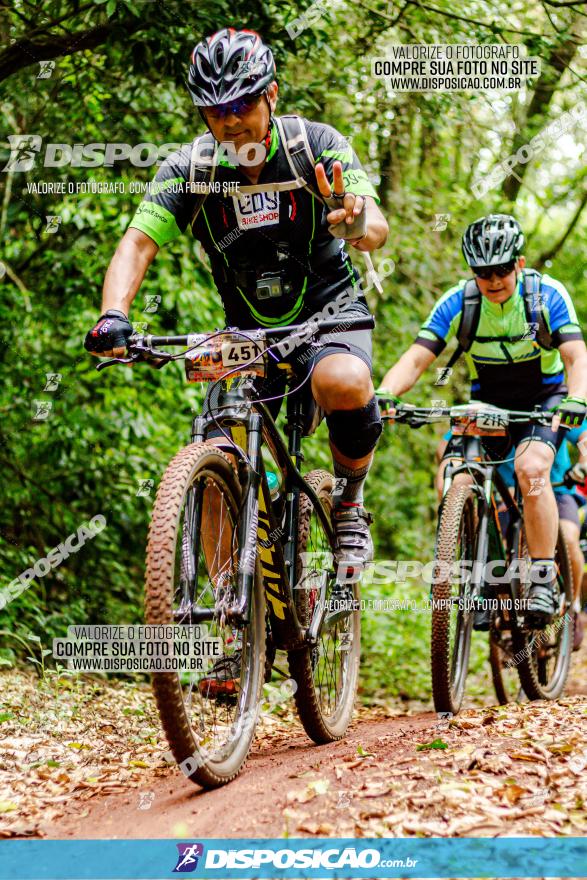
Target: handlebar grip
(342, 325)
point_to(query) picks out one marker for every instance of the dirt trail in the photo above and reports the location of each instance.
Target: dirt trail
(253, 804)
(519, 769)
(86, 759)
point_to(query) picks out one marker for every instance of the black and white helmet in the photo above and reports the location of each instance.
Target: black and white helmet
(492, 240)
(229, 65)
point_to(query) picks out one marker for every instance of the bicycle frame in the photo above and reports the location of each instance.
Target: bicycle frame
(253, 424)
(250, 425)
(488, 483)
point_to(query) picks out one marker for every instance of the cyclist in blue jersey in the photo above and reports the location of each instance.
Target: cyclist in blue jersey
(564, 477)
(514, 363)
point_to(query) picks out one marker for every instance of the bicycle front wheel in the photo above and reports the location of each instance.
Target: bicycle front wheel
(208, 715)
(326, 674)
(452, 617)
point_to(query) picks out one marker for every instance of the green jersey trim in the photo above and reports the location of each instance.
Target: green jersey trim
(156, 222)
(340, 155)
(356, 182)
(280, 320)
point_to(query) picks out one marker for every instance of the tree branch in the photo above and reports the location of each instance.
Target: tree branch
(492, 26)
(569, 3)
(553, 251)
(25, 51)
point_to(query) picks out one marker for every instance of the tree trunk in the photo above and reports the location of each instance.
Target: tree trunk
(553, 70)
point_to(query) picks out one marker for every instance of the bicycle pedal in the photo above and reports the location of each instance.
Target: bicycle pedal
(339, 606)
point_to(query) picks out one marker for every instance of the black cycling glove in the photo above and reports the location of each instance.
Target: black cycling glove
(112, 330)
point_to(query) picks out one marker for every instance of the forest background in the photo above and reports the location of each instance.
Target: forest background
(75, 72)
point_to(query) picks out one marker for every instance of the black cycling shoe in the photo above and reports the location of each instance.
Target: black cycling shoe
(354, 546)
(482, 619)
(224, 677)
(541, 604)
(482, 614)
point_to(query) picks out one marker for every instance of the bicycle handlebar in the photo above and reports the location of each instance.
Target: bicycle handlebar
(311, 327)
(141, 348)
(417, 416)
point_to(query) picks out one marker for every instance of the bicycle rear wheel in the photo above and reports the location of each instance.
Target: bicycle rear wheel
(506, 682)
(209, 716)
(452, 619)
(326, 675)
(543, 657)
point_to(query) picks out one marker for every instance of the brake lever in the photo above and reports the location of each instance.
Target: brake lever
(158, 359)
(110, 363)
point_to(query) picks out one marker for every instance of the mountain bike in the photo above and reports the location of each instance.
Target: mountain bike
(257, 574)
(468, 538)
(505, 681)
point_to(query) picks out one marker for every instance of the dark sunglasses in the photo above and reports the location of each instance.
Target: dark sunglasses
(486, 272)
(239, 107)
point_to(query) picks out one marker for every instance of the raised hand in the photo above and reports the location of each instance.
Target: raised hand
(345, 207)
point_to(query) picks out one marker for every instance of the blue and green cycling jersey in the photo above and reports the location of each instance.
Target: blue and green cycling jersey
(510, 374)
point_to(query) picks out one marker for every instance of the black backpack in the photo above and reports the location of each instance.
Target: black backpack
(467, 332)
(293, 136)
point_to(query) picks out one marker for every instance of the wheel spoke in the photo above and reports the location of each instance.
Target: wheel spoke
(199, 574)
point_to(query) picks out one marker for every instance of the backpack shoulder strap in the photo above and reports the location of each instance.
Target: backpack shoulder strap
(202, 169)
(534, 308)
(469, 320)
(294, 137)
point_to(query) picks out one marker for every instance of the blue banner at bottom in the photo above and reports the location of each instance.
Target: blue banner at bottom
(293, 857)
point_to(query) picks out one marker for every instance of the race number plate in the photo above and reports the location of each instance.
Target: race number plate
(236, 354)
(492, 421)
(486, 422)
(226, 355)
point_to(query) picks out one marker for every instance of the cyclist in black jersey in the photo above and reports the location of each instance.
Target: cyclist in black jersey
(277, 253)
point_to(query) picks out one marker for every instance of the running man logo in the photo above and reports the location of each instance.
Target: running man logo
(53, 222)
(443, 375)
(152, 301)
(42, 410)
(530, 330)
(53, 380)
(47, 68)
(23, 151)
(145, 488)
(187, 860)
(440, 222)
(537, 484)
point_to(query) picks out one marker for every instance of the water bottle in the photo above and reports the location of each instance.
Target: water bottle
(274, 484)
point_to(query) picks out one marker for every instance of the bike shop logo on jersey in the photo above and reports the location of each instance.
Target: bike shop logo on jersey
(256, 209)
(188, 857)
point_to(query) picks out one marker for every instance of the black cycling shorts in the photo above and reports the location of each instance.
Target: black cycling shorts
(303, 359)
(499, 448)
(568, 507)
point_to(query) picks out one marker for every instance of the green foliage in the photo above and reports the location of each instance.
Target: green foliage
(108, 433)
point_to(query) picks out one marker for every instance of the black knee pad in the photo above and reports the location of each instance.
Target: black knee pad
(355, 432)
